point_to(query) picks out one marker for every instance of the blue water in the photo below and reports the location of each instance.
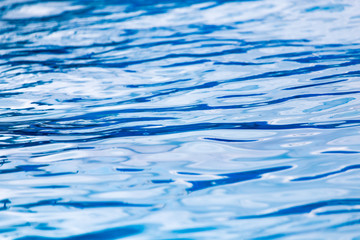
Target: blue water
(179, 119)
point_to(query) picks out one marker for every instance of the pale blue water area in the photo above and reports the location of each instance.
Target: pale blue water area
(179, 119)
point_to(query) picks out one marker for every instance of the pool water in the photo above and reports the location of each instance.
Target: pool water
(179, 119)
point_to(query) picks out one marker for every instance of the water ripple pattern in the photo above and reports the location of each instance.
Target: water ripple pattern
(179, 119)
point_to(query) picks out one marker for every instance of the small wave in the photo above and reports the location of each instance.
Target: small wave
(173, 119)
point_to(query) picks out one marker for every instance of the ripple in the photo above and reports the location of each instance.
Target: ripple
(307, 208)
(342, 170)
(211, 119)
(81, 205)
(229, 178)
(107, 234)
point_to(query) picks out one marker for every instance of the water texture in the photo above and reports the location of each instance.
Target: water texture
(179, 119)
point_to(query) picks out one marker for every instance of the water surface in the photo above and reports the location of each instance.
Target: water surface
(179, 119)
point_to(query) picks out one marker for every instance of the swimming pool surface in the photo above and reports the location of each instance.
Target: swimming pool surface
(179, 119)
